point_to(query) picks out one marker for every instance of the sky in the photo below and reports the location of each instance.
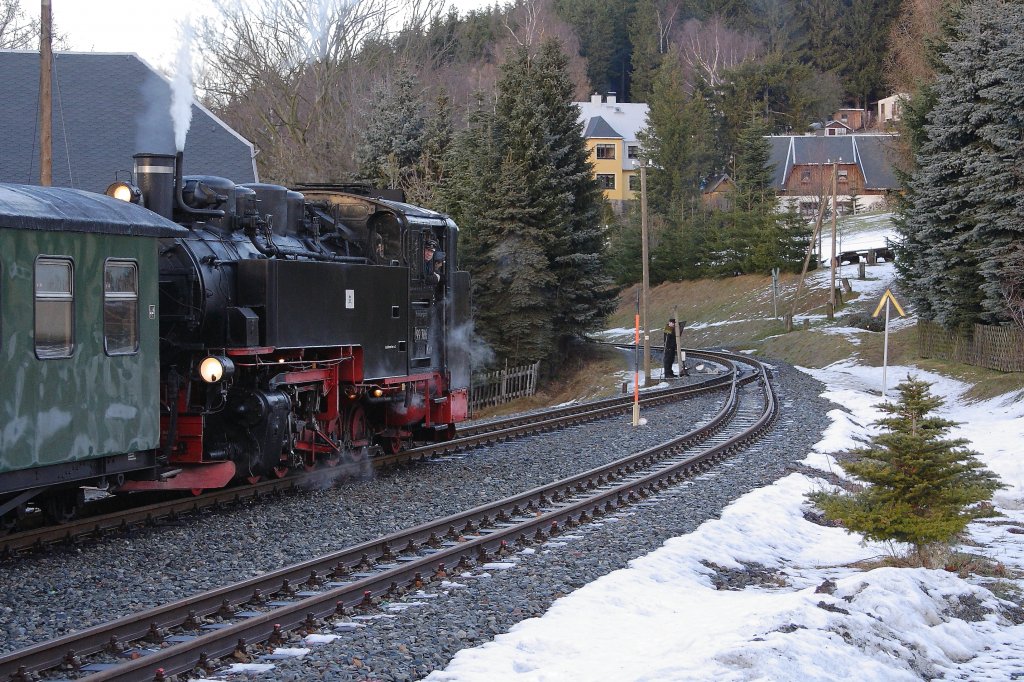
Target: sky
(149, 28)
(662, 620)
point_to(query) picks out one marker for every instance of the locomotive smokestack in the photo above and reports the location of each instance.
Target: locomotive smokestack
(154, 174)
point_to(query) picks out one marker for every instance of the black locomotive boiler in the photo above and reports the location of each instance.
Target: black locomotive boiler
(296, 329)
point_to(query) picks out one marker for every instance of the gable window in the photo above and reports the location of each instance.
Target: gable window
(54, 308)
(121, 307)
(606, 151)
(606, 180)
(805, 177)
(633, 151)
(843, 176)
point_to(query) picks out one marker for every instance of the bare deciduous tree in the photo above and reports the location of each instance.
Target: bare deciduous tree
(280, 72)
(667, 13)
(908, 63)
(1012, 284)
(710, 48)
(17, 32)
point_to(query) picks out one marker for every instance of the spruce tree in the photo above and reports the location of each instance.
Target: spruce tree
(584, 295)
(663, 141)
(962, 214)
(645, 37)
(923, 488)
(391, 144)
(759, 238)
(431, 168)
(468, 188)
(511, 301)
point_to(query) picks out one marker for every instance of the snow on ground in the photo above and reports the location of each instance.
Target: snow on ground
(662, 618)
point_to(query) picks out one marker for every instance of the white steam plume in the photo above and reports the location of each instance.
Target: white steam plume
(181, 89)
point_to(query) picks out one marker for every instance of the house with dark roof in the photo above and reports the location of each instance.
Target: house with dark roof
(804, 166)
(105, 108)
(610, 129)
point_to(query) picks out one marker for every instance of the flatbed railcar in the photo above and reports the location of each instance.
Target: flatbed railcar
(193, 332)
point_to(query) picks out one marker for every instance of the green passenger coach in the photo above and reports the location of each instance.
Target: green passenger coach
(79, 343)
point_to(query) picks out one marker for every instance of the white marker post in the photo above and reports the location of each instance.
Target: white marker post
(887, 298)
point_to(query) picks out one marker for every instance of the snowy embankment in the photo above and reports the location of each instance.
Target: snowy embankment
(815, 615)
(814, 612)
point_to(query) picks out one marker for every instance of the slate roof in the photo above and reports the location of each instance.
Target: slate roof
(106, 107)
(869, 152)
(598, 127)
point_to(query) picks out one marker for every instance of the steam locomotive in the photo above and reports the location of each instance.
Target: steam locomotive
(185, 332)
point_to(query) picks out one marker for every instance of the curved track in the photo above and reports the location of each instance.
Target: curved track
(129, 515)
(191, 634)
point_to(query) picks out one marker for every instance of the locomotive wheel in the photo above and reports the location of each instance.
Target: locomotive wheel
(309, 461)
(391, 444)
(356, 430)
(61, 506)
(280, 472)
(10, 520)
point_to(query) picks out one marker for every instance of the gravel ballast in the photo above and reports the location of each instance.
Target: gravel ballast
(51, 594)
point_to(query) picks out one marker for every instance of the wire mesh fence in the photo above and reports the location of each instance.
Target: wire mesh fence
(998, 348)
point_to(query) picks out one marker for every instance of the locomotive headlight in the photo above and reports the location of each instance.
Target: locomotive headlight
(215, 368)
(377, 392)
(125, 191)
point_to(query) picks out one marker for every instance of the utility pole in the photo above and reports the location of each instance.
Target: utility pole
(646, 273)
(45, 97)
(832, 264)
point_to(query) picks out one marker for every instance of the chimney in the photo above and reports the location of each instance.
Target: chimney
(611, 98)
(595, 98)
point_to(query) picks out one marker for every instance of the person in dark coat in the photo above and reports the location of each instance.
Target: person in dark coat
(670, 348)
(433, 261)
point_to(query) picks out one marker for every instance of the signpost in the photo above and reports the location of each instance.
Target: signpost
(775, 291)
(636, 364)
(887, 299)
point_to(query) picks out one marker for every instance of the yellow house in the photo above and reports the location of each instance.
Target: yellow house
(610, 130)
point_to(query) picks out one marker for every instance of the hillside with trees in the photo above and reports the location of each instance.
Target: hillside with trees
(471, 114)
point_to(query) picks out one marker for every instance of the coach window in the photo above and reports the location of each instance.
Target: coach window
(55, 308)
(606, 151)
(121, 307)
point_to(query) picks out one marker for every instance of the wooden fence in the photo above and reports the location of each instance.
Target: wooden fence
(998, 348)
(502, 385)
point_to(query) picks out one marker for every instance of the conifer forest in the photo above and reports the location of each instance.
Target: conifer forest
(472, 114)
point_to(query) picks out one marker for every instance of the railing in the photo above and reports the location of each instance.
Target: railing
(502, 385)
(998, 348)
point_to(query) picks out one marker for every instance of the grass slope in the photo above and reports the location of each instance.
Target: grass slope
(739, 313)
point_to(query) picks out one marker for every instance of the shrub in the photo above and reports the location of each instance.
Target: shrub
(924, 489)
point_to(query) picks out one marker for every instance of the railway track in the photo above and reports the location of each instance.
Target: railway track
(124, 517)
(239, 620)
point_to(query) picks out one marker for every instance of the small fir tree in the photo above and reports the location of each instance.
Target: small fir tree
(924, 488)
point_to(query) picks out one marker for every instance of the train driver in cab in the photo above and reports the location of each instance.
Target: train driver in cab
(433, 261)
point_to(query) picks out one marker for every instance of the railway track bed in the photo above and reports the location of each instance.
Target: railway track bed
(462, 636)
